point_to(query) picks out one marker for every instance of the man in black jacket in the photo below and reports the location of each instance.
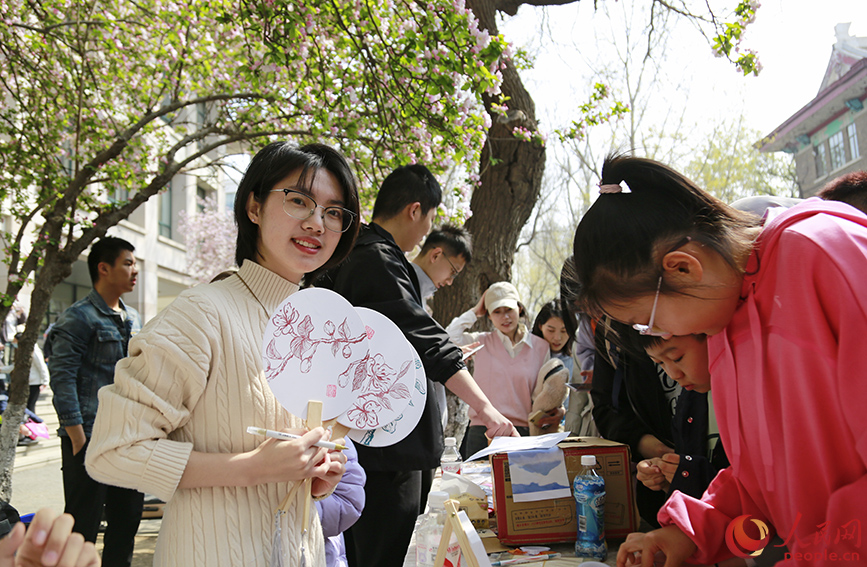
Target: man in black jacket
(377, 275)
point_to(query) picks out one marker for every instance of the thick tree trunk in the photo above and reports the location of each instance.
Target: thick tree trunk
(54, 270)
(511, 180)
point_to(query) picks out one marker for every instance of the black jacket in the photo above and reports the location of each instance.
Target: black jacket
(628, 400)
(378, 276)
(689, 428)
(628, 403)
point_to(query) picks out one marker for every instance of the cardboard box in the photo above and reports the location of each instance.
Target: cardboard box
(554, 520)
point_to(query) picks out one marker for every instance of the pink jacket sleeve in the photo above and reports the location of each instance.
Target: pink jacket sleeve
(819, 501)
(705, 521)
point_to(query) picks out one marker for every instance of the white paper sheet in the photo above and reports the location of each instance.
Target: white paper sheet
(509, 444)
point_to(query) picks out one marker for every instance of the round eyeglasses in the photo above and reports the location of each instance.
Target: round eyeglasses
(300, 206)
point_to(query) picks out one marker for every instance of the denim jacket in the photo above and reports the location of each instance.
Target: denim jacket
(83, 348)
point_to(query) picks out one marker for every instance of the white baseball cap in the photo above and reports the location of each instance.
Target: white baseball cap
(501, 294)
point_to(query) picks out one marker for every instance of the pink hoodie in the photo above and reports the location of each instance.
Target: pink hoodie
(789, 379)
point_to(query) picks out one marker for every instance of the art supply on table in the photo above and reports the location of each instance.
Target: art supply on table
(589, 491)
(526, 559)
(451, 460)
(469, 545)
(287, 436)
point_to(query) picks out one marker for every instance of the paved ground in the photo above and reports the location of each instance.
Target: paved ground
(37, 483)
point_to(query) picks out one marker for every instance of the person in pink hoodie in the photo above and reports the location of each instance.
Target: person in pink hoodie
(784, 305)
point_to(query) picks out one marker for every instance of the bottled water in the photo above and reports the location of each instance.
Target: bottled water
(430, 533)
(589, 491)
(430, 530)
(451, 460)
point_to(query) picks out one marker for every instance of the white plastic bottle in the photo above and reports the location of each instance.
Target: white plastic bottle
(430, 533)
(430, 530)
(451, 460)
(589, 491)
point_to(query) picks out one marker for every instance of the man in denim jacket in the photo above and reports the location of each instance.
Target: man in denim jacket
(82, 348)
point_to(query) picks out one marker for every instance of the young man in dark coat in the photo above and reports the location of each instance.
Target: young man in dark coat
(378, 275)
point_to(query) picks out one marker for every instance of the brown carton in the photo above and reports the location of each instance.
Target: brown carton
(549, 521)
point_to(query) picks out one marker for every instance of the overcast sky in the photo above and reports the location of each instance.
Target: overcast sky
(793, 38)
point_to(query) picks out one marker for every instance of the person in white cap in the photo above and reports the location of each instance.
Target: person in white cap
(506, 369)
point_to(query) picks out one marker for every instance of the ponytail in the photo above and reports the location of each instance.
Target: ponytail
(620, 241)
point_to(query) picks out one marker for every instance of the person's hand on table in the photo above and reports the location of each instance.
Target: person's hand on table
(496, 424)
(667, 547)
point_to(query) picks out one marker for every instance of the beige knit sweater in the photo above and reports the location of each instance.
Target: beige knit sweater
(193, 381)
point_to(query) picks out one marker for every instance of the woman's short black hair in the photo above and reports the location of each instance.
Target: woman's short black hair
(556, 308)
(272, 164)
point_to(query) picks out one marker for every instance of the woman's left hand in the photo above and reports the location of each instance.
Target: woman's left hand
(326, 481)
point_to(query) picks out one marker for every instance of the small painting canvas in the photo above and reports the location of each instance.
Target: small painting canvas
(538, 475)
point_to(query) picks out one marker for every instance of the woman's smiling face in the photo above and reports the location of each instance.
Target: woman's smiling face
(290, 247)
(505, 319)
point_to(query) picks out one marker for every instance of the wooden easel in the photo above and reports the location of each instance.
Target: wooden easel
(453, 524)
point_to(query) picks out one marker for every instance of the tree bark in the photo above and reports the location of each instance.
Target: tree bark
(53, 271)
(511, 181)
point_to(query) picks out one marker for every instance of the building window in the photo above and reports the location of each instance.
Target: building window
(201, 120)
(166, 211)
(838, 150)
(852, 133)
(201, 195)
(819, 152)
